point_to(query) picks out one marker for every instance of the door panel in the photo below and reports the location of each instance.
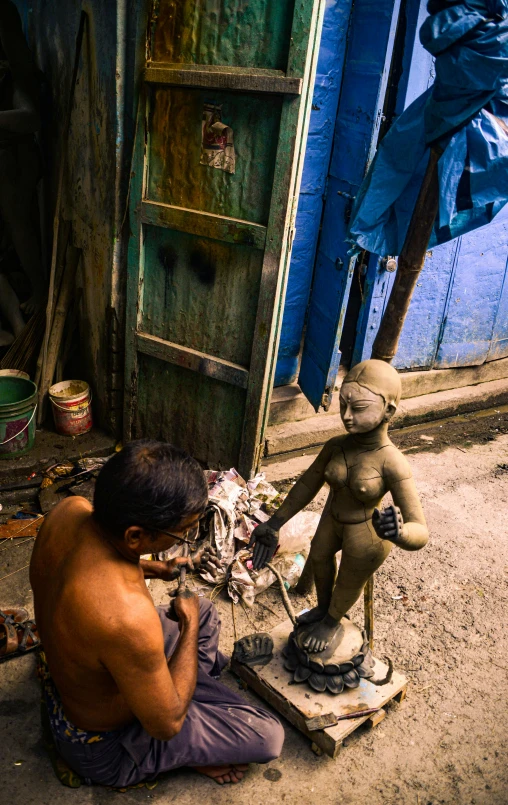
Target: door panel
(422, 329)
(175, 151)
(213, 428)
(474, 296)
(243, 33)
(209, 249)
(365, 76)
(186, 277)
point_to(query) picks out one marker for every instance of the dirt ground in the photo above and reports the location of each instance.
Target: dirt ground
(440, 614)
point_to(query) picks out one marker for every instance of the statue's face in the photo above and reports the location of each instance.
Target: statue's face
(362, 410)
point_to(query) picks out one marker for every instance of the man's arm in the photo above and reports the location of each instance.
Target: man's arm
(158, 694)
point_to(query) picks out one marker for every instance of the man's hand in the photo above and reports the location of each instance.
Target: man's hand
(205, 558)
(186, 606)
(264, 541)
(388, 523)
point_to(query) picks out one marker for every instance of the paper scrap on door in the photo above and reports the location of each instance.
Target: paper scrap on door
(217, 146)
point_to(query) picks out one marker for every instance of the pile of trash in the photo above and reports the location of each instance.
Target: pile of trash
(234, 510)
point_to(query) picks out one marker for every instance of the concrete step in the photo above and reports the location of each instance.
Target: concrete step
(50, 448)
(290, 405)
(317, 429)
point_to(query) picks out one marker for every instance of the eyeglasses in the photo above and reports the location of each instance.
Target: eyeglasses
(193, 532)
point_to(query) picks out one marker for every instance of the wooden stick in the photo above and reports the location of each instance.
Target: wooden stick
(60, 315)
(410, 264)
(368, 601)
(63, 162)
(64, 234)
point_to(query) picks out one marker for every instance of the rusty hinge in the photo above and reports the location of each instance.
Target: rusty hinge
(326, 399)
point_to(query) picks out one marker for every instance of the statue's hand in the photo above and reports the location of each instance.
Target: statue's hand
(388, 523)
(264, 541)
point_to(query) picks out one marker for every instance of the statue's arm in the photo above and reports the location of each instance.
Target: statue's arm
(414, 533)
(265, 538)
(305, 489)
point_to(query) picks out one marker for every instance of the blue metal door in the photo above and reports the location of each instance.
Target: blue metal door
(332, 51)
(366, 69)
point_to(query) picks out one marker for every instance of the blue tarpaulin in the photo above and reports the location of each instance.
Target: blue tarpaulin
(465, 113)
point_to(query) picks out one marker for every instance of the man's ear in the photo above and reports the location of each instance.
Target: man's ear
(390, 410)
(133, 536)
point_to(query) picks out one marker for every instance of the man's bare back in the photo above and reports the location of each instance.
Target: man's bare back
(87, 598)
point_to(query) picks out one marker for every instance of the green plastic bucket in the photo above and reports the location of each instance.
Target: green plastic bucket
(18, 403)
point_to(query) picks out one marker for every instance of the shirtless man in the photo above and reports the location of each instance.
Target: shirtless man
(130, 691)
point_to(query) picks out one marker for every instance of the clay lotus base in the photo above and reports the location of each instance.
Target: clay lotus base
(350, 662)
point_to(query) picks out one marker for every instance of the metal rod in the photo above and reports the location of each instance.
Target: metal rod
(183, 569)
(285, 596)
(368, 600)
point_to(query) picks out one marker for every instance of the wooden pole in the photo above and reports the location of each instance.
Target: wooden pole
(410, 264)
(368, 601)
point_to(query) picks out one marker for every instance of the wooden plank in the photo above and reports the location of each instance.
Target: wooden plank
(305, 37)
(376, 718)
(189, 358)
(298, 703)
(204, 224)
(20, 529)
(232, 78)
(135, 268)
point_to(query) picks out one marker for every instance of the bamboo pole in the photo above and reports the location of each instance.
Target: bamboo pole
(410, 263)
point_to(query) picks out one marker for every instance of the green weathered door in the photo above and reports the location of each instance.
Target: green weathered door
(228, 82)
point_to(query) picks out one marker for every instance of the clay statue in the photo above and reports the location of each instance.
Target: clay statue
(20, 166)
(360, 468)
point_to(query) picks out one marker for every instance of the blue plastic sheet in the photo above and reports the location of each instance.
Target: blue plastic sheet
(465, 112)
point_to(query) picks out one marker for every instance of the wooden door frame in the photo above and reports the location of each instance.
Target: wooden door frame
(275, 239)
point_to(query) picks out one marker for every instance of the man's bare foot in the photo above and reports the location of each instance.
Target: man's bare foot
(5, 338)
(313, 615)
(320, 636)
(230, 773)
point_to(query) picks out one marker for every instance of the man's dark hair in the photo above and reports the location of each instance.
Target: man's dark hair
(149, 484)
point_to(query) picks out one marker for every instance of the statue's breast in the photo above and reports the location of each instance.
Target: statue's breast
(364, 483)
(367, 486)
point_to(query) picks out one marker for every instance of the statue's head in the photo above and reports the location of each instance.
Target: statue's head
(369, 396)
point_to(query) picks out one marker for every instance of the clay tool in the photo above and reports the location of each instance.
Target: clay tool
(183, 570)
(330, 720)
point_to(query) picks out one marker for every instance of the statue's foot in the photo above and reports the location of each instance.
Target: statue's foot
(321, 635)
(5, 338)
(312, 616)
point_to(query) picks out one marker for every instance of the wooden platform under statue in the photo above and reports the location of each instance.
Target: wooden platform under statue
(298, 702)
